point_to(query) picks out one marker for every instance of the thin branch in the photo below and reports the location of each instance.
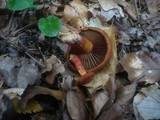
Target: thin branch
(135, 3)
(15, 32)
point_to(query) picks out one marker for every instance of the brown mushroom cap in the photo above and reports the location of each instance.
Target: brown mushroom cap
(100, 54)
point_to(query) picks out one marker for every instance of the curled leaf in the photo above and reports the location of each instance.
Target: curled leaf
(30, 92)
(113, 113)
(69, 34)
(76, 13)
(52, 66)
(76, 106)
(32, 106)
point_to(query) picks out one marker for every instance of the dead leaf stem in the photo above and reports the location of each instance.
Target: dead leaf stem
(135, 3)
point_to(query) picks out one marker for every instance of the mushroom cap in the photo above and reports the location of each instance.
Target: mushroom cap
(98, 57)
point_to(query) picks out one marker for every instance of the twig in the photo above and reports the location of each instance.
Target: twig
(146, 20)
(157, 28)
(31, 55)
(135, 3)
(39, 49)
(10, 24)
(34, 59)
(15, 32)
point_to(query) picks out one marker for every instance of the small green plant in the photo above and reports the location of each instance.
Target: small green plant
(19, 4)
(50, 26)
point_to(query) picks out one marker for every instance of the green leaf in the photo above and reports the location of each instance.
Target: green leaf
(50, 26)
(19, 4)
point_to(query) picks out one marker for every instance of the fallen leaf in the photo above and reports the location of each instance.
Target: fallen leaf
(156, 57)
(28, 75)
(110, 9)
(76, 106)
(10, 27)
(114, 113)
(129, 6)
(146, 103)
(32, 91)
(95, 22)
(153, 7)
(48, 64)
(123, 38)
(99, 101)
(13, 92)
(150, 42)
(76, 14)
(66, 115)
(19, 72)
(2, 4)
(6, 108)
(1, 83)
(53, 66)
(67, 83)
(32, 106)
(125, 94)
(141, 67)
(3, 106)
(109, 98)
(69, 34)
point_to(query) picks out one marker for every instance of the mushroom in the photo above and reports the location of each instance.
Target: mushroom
(93, 51)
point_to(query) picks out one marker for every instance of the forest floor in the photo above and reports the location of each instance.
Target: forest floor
(41, 80)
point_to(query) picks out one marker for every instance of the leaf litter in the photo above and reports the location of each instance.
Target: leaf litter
(33, 65)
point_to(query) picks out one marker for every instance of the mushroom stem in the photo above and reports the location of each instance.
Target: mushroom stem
(78, 64)
(86, 45)
(82, 47)
(86, 78)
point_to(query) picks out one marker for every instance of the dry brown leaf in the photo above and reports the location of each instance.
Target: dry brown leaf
(69, 34)
(141, 67)
(110, 9)
(147, 103)
(66, 115)
(76, 14)
(109, 98)
(54, 66)
(113, 113)
(76, 106)
(28, 75)
(67, 83)
(99, 101)
(150, 42)
(32, 91)
(18, 72)
(49, 63)
(153, 7)
(123, 38)
(129, 6)
(125, 94)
